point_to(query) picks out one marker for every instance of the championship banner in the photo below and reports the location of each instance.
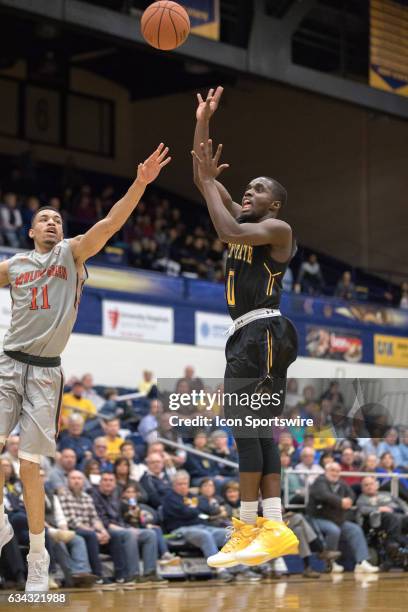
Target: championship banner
(389, 45)
(204, 17)
(391, 351)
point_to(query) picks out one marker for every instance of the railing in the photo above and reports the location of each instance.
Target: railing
(377, 475)
(194, 451)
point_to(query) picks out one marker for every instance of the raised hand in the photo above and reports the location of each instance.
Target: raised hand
(208, 167)
(149, 170)
(206, 108)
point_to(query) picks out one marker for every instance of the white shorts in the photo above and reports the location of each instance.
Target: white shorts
(31, 396)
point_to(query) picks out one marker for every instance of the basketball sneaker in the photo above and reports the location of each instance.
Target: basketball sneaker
(37, 578)
(241, 535)
(273, 540)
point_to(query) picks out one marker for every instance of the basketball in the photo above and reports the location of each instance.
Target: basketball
(165, 25)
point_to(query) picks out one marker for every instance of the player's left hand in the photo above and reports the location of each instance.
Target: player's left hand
(208, 167)
(150, 169)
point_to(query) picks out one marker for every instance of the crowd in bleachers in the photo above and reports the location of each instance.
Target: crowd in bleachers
(115, 492)
(176, 240)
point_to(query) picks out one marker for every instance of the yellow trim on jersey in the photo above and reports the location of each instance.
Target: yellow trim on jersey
(269, 342)
(271, 281)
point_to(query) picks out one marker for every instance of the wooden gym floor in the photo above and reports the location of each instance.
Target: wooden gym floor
(328, 594)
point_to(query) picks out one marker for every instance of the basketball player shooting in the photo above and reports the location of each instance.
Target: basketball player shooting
(46, 285)
(262, 343)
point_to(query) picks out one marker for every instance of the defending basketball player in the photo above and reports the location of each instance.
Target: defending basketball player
(262, 344)
(46, 285)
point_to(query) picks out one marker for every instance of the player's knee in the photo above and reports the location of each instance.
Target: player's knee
(29, 465)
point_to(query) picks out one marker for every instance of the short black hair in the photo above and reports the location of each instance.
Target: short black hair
(278, 190)
(44, 208)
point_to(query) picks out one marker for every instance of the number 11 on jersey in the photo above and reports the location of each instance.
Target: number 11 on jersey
(45, 303)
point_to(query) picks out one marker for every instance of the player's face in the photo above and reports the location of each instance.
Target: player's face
(47, 229)
(257, 200)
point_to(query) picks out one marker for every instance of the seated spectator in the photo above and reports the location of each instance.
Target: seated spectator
(77, 568)
(383, 511)
(310, 278)
(231, 498)
(325, 458)
(212, 505)
(75, 402)
(296, 490)
(387, 466)
(404, 449)
(172, 460)
(390, 445)
(347, 464)
(148, 384)
(370, 463)
(345, 288)
(329, 501)
(220, 448)
(10, 220)
(92, 472)
(121, 469)
(112, 438)
(181, 516)
(58, 476)
(100, 454)
(73, 437)
(370, 446)
(194, 383)
(155, 481)
(81, 516)
(403, 303)
(89, 393)
(126, 540)
(199, 467)
(333, 393)
(313, 470)
(11, 453)
(149, 424)
(139, 516)
(137, 470)
(287, 445)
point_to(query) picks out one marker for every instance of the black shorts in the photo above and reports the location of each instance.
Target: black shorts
(258, 357)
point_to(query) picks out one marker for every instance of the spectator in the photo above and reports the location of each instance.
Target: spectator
(307, 464)
(73, 437)
(27, 214)
(140, 517)
(404, 296)
(345, 288)
(194, 383)
(126, 539)
(231, 498)
(137, 470)
(181, 517)
(347, 465)
(390, 445)
(155, 481)
(58, 476)
(286, 445)
(112, 438)
(330, 500)
(81, 516)
(149, 424)
(370, 463)
(212, 505)
(310, 278)
(199, 467)
(148, 384)
(387, 466)
(92, 471)
(333, 393)
(371, 446)
(75, 402)
(10, 220)
(403, 447)
(121, 469)
(89, 392)
(220, 448)
(11, 453)
(100, 454)
(381, 510)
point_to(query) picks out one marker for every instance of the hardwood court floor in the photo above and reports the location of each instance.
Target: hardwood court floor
(387, 592)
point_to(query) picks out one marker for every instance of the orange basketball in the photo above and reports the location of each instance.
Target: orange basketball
(165, 25)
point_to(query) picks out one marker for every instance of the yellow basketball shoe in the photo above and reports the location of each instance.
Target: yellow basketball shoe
(242, 534)
(273, 540)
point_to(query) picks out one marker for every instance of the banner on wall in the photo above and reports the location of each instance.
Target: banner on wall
(329, 343)
(391, 351)
(5, 307)
(210, 329)
(141, 322)
(204, 17)
(388, 45)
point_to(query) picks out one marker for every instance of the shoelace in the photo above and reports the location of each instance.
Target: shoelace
(234, 536)
(35, 571)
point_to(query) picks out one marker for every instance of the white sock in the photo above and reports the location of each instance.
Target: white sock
(37, 542)
(272, 509)
(248, 511)
(1, 515)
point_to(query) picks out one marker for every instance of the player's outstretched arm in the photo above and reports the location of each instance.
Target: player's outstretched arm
(205, 110)
(4, 279)
(95, 239)
(269, 231)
